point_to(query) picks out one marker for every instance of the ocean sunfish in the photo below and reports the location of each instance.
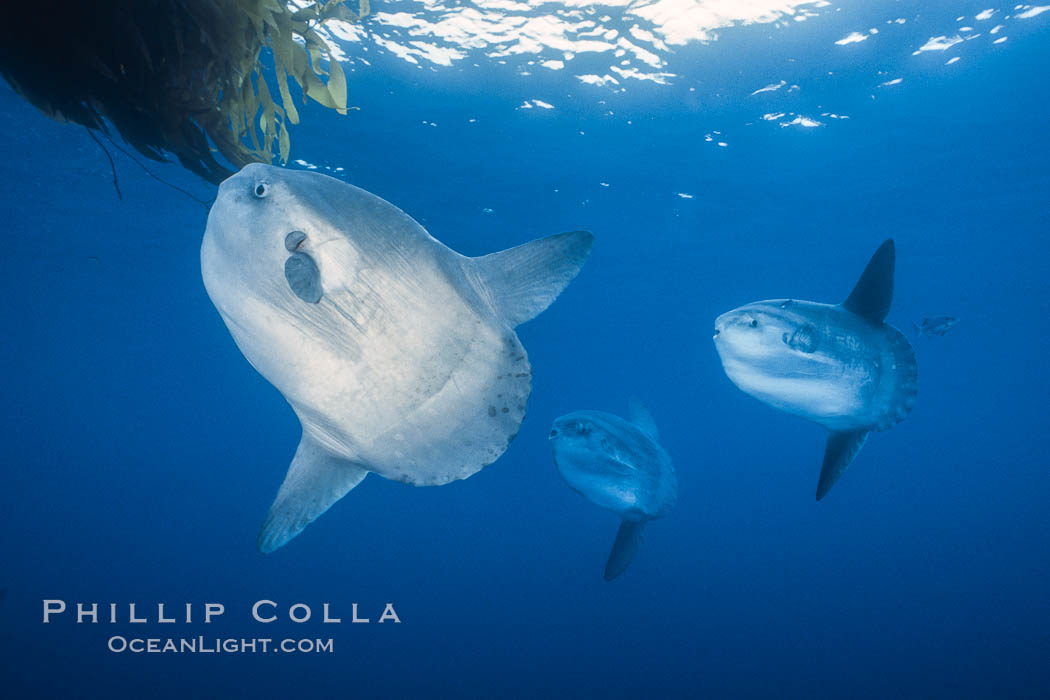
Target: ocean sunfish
(837, 365)
(934, 325)
(397, 354)
(620, 466)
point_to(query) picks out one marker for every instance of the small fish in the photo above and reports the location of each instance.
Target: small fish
(934, 325)
(620, 466)
(838, 365)
(397, 354)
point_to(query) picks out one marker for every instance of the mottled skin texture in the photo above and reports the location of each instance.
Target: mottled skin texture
(819, 361)
(615, 465)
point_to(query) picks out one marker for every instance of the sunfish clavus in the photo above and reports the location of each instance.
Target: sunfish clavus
(620, 466)
(838, 365)
(397, 354)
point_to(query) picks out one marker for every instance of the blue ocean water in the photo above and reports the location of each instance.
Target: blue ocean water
(141, 450)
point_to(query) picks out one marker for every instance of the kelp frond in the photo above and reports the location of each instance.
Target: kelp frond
(184, 77)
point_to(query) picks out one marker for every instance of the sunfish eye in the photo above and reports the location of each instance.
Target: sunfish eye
(754, 323)
(261, 190)
(293, 240)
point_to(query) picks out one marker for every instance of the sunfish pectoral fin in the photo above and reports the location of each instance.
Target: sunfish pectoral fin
(316, 479)
(628, 540)
(303, 277)
(523, 281)
(872, 296)
(842, 447)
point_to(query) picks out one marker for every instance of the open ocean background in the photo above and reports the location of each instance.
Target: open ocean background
(140, 450)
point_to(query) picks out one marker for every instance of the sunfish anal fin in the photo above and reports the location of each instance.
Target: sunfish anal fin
(523, 281)
(842, 447)
(316, 479)
(872, 296)
(628, 540)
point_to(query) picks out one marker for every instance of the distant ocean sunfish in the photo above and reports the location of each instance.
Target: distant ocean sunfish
(397, 354)
(837, 365)
(620, 466)
(935, 325)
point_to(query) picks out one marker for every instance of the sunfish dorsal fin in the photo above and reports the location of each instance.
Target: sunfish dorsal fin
(872, 295)
(842, 447)
(628, 540)
(316, 479)
(523, 281)
(643, 420)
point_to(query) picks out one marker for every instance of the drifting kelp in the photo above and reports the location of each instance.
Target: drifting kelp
(176, 76)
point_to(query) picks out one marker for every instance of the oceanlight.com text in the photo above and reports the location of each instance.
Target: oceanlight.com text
(218, 645)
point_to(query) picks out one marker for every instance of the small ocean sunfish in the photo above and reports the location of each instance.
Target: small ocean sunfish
(934, 325)
(837, 365)
(620, 466)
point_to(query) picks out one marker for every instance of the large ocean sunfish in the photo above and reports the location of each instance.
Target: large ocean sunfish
(397, 354)
(839, 365)
(620, 466)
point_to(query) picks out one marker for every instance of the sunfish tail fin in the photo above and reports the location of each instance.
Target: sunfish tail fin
(523, 281)
(628, 540)
(842, 447)
(316, 479)
(872, 296)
